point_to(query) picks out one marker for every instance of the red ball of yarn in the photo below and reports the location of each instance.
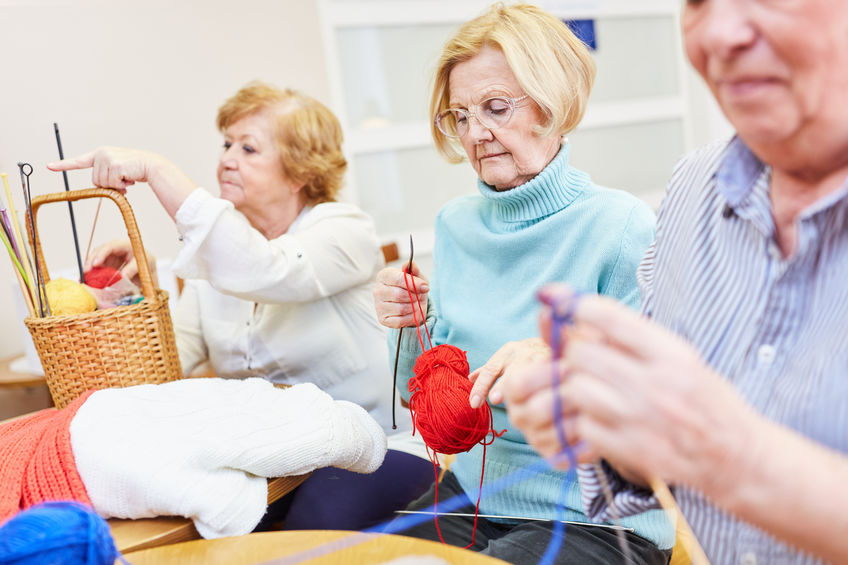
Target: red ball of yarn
(101, 277)
(439, 402)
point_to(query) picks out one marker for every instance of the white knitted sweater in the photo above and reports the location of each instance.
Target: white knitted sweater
(201, 448)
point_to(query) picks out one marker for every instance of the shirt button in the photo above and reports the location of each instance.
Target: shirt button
(766, 354)
(748, 558)
(299, 254)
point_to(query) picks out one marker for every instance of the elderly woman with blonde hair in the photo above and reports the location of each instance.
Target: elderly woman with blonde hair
(278, 282)
(508, 86)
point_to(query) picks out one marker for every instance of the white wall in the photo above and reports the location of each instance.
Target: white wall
(146, 74)
(149, 74)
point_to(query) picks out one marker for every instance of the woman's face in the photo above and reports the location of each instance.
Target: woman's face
(510, 155)
(250, 173)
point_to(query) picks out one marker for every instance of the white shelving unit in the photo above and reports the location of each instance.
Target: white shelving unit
(381, 55)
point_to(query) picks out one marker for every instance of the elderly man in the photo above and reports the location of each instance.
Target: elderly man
(749, 266)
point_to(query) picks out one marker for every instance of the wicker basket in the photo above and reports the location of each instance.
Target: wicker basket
(115, 347)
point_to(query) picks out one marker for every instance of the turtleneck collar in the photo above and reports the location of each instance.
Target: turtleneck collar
(548, 192)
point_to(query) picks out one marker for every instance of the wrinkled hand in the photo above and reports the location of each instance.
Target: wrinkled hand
(115, 167)
(118, 254)
(529, 399)
(505, 359)
(639, 396)
(391, 299)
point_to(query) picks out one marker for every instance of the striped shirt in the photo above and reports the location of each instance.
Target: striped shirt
(774, 326)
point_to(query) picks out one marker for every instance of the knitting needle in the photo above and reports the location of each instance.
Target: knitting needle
(4, 235)
(7, 230)
(93, 225)
(25, 259)
(70, 208)
(397, 350)
(465, 515)
(675, 516)
(39, 281)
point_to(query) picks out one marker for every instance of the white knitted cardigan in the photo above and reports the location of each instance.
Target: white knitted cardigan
(201, 448)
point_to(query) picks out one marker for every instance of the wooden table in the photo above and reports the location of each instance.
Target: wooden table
(10, 378)
(308, 546)
(21, 392)
(144, 533)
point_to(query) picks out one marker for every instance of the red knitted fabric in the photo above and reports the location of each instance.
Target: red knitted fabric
(37, 462)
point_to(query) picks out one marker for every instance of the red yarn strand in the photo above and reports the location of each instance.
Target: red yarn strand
(413, 299)
(440, 409)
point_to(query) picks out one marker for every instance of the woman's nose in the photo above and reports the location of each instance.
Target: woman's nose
(477, 131)
(228, 160)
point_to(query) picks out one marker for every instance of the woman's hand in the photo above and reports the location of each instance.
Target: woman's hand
(505, 359)
(118, 168)
(639, 396)
(118, 254)
(391, 298)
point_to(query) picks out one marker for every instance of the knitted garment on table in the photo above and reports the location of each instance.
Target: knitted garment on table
(36, 460)
(202, 448)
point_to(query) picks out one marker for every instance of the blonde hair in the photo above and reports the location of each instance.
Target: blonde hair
(550, 63)
(308, 136)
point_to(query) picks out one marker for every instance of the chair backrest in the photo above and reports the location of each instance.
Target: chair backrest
(390, 252)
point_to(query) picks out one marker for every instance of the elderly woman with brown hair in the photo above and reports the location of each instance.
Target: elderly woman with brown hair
(509, 85)
(278, 281)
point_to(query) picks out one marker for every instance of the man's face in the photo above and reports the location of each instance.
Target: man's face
(777, 68)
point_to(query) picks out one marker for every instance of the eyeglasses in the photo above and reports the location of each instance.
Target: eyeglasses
(492, 113)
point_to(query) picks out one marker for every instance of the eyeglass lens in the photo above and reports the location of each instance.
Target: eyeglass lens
(492, 113)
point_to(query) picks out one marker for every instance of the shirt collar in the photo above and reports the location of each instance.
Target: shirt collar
(738, 172)
(739, 178)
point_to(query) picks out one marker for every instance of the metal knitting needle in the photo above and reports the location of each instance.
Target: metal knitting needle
(397, 350)
(466, 515)
(70, 208)
(39, 281)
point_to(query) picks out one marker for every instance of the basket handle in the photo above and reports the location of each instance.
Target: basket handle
(129, 220)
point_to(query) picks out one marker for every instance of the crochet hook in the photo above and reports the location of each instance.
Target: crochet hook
(397, 350)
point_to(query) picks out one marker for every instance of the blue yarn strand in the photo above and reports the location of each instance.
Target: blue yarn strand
(558, 533)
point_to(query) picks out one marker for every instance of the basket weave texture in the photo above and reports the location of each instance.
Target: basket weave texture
(114, 347)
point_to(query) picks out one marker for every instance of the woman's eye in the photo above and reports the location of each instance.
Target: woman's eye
(496, 107)
(227, 145)
(248, 149)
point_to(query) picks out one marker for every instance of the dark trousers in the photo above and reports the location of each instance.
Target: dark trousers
(335, 499)
(525, 542)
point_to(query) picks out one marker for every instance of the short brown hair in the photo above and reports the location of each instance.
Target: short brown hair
(550, 63)
(308, 135)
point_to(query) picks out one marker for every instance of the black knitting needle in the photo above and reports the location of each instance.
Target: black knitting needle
(397, 351)
(70, 208)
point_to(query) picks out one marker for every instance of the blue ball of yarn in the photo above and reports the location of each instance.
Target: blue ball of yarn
(57, 533)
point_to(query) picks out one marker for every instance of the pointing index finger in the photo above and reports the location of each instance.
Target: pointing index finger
(84, 161)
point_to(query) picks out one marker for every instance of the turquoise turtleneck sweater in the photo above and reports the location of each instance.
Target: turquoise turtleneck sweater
(493, 252)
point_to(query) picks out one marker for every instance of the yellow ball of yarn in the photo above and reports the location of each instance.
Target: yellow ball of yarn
(69, 297)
